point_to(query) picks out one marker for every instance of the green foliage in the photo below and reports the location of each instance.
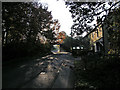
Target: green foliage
(23, 25)
(84, 13)
(100, 73)
(112, 23)
(67, 44)
(70, 42)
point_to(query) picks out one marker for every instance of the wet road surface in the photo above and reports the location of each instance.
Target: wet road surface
(51, 71)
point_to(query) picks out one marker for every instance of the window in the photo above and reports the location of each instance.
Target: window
(73, 47)
(78, 47)
(93, 35)
(97, 33)
(81, 47)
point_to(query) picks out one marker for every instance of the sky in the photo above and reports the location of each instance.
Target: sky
(60, 12)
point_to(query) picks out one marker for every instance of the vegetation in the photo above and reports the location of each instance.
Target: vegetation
(96, 71)
(93, 73)
(84, 13)
(70, 42)
(105, 13)
(26, 29)
(66, 45)
(112, 23)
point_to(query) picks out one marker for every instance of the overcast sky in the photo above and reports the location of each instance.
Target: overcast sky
(60, 12)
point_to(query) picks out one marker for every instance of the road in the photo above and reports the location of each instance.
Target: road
(51, 71)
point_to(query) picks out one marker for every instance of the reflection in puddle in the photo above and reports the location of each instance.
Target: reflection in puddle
(22, 66)
(40, 63)
(37, 59)
(46, 56)
(51, 58)
(42, 73)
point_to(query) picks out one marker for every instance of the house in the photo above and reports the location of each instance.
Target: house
(96, 39)
(105, 38)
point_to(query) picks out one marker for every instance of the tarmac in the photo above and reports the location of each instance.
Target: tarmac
(52, 71)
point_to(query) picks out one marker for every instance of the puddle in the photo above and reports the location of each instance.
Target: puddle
(43, 73)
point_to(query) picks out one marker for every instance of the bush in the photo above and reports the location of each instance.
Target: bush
(17, 50)
(101, 72)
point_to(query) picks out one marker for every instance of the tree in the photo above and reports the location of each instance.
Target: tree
(61, 36)
(24, 20)
(112, 23)
(21, 24)
(70, 42)
(84, 13)
(66, 45)
(53, 33)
